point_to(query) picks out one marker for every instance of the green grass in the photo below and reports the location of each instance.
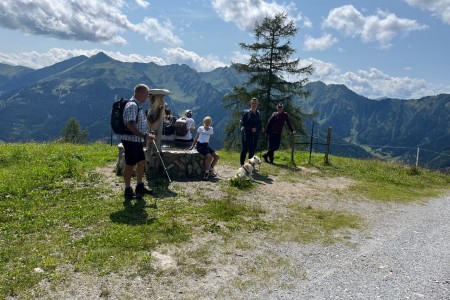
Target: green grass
(305, 224)
(375, 179)
(57, 215)
(56, 212)
(389, 181)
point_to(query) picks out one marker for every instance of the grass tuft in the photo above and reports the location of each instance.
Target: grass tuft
(242, 183)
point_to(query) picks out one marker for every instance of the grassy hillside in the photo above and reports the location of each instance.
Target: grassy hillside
(63, 211)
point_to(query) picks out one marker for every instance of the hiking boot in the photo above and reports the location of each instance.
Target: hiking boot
(205, 177)
(265, 157)
(128, 193)
(141, 190)
(212, 173)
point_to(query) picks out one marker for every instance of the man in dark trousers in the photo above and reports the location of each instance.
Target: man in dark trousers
(250, 127)
(274, 130)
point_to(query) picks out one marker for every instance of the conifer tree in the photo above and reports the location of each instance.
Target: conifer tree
(72, 132)
(269, 69)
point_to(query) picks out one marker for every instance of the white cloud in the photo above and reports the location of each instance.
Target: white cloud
(373, 83)
(135, 58)
(142, 3)
(192, 59)
(82, 20)
(239, 57)
(440, 8)
(321, 69)
(246, 12)
(382, 27)
(307, 23)
(322, 43)
(152, 29)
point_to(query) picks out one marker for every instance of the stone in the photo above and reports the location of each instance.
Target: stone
(178, 162)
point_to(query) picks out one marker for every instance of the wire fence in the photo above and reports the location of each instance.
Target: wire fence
(417, 155)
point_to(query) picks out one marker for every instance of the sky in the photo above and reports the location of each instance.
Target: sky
(384, 48)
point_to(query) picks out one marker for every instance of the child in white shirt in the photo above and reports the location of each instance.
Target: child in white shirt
(201, 140)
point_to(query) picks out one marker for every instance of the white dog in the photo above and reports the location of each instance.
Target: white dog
(247, 169)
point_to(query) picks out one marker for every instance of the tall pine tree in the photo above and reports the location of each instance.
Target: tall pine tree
(268, 68)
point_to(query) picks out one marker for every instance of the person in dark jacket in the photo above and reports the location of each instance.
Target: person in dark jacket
(250, 127)
(274, 130)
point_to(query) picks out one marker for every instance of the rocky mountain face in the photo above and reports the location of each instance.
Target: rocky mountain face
(36, 104)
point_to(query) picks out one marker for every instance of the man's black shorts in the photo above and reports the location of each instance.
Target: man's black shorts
(134, 152)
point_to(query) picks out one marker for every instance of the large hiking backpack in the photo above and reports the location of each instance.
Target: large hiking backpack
(181, 127)
(117, 124)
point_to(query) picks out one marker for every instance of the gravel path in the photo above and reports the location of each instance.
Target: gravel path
(406, 256)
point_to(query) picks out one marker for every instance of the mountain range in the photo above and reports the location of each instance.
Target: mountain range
(36, 104)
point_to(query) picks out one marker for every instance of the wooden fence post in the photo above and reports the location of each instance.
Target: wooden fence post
(292, 150)
(417, 158)
(311, 142)
(327, 147)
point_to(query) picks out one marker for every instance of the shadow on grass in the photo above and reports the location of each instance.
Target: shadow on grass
(200, 178)
(160, 188)
(285, 166)
(133, 213)
(258, 178)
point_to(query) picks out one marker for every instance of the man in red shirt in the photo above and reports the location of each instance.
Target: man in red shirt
(274, 130)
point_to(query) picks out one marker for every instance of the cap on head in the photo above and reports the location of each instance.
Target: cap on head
(188, 113)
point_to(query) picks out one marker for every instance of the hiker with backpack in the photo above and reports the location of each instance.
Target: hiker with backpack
(132, 140)
(250, 127)
(184, 127)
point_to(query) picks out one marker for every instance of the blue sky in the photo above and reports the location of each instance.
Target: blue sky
(384, 48)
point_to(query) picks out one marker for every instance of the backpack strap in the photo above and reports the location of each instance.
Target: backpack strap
(138, 107)
(137, 114)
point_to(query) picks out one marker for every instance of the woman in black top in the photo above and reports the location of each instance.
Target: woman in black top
(250, 127)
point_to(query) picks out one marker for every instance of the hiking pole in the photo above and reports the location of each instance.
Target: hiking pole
(160, 157)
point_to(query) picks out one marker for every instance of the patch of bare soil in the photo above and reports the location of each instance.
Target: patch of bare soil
(230, 269)
(110, 179)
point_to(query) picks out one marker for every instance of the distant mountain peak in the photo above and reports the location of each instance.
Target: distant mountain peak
(99, 58)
